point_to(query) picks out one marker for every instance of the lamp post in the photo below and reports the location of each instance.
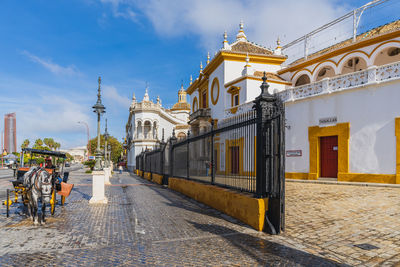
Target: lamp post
(88, 137)
(109, 155)
(99, 109)
(106, 135)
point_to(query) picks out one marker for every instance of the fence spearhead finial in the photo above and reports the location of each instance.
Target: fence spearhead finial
(264, 86)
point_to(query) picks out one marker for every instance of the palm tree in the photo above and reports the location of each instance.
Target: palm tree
(25, 144)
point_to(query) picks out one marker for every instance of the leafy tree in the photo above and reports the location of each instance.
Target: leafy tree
(38, 144)
(25, 144)
(116, 146)
(49, 142)
(57, 145)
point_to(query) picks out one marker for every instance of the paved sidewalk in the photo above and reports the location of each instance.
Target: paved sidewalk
(147, 224)
(357, 225)
(143, 224)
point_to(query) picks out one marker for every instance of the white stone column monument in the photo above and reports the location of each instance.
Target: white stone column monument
(107, 176)
(98, 188)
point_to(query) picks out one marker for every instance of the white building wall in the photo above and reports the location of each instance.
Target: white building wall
(371, 112)
(218, 109)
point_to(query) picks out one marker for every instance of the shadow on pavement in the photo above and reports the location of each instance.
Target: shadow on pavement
(191, 204)
(84, 195)
(265, 252)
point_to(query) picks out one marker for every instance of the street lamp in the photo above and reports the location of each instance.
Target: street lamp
(109, 155)
(88, 137)
(106, 135)
(99, 109)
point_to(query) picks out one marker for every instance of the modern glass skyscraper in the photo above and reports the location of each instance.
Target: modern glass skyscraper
(10, 133)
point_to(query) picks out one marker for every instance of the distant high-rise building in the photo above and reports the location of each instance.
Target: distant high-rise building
(10, 133)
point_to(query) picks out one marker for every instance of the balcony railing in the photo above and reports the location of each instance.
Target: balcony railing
(374, 74)
(200, 113)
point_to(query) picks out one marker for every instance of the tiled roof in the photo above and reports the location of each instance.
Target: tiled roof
(181, 106)
(251, 48)
(270, 75)
(393, 26)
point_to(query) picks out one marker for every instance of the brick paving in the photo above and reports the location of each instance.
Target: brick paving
(331, 220)
(147, 224)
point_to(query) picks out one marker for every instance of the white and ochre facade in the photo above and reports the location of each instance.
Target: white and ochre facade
(149, 121)
(342, 111)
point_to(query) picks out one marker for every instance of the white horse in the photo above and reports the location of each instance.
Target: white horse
(39, 184)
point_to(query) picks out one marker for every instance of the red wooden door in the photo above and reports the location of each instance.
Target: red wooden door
(234, 159)
(329, 156)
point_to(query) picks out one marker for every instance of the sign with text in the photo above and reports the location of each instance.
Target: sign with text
(328, 120)
(293, 153)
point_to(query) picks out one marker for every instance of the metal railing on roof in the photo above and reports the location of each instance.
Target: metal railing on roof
(347, 27)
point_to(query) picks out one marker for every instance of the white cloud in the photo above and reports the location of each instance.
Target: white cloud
(111, 94)
(53, 67)
(121, 9)
(265, 20)
(48, 116)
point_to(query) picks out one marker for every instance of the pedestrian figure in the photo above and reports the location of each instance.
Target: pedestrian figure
(14, 167)
(120, 169)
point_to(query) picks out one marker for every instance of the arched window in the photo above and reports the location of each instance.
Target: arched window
(388, 55)
(325, 72)
(302, 80)
(147, 130)
(139, 132)
(155, 135)
(354, 64)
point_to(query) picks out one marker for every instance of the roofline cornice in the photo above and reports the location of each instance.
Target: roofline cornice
(342, 50)
(226, 55)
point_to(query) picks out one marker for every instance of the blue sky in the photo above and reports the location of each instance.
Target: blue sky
(52, 52)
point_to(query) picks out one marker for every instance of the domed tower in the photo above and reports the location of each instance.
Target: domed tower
(182, 103)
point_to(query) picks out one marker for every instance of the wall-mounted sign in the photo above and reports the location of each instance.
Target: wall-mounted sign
(293, 153)
(329, 120)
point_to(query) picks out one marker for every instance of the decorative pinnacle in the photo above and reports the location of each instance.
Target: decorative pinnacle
(98, 90)
(201, 66)
(225, 37)
(208, 57)
(241, 24)
(133, 96)
(191, 79)
(278, 42)
(247, 59)
(264, 86)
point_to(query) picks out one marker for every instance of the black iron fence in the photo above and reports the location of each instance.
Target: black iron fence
(244, 153)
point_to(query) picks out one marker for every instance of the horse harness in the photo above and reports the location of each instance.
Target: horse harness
(36, 173)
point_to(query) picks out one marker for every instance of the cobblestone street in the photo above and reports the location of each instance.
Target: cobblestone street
(147, 224)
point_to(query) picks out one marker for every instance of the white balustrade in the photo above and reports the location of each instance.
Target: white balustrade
(343, 82)
(371, 75)
(388, 71)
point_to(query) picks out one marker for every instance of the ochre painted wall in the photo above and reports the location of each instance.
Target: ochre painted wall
(242, 207)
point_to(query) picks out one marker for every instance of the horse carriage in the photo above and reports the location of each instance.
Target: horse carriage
(39, 183)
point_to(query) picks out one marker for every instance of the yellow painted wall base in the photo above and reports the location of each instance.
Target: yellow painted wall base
(350, 177)
(157, 178)
(296, 175)
(367, 178)
(244, 208)
(147, 176)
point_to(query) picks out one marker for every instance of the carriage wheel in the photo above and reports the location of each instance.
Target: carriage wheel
(53, 202)
(62, 200)
(8, 203)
